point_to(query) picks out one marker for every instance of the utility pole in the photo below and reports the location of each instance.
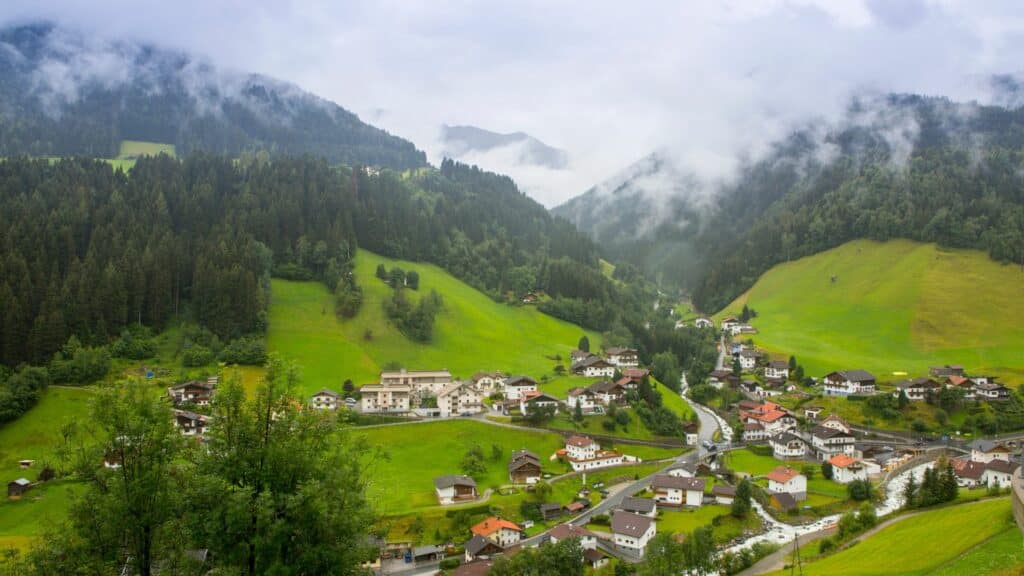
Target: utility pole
(797, 566)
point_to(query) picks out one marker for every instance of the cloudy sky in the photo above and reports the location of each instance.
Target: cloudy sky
(609, 82)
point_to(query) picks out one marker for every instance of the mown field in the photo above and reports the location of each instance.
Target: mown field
(959, 537)
(472, 333)
(418, 453)
(897, 306)
(131, 150)
(36, 436)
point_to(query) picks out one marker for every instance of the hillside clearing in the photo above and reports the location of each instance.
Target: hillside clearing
(894, 306)
(471, 334)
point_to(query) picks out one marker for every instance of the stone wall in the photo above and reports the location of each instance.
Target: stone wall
(1018, 499)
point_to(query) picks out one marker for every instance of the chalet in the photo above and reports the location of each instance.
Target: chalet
(516, 386)
(594, 558)
(961, 383)
(524, 467)
(973, 473)
(748, 359)
(190, 423)
(849, 382)
(836, 423)
(385, 398)
(983, 379)
(623, 357)
(632, 532)
(917, 389)
(788, 480)
(991, 391)
(594, 367)
(530, 298)
(691, 430)
(192, 392)
(577, 355)
(986, 451)
(812, 412)
(772, 418)
(501, 532)
(754, 432)
(719, 378)
(846, 469)
(588, 540)
(635, 375)
(534, 400)
(460, 398)
(325, 400)
(488, 382)
(17, 488)
(828, 441)
(422, 382)
(723, 494)
(641, 506)
(788, 446)
(584, 453)
(728, 324)
(608, 392)
(454, 488)
(586, 399)
(946, 371)
(777, 369)
(479, 547)
(676, 491)
(703, 322)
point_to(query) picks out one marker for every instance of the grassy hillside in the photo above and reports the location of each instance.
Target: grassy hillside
(894, 306)
(924, 543)
(131, 150)
(472, 333)
(35, 436)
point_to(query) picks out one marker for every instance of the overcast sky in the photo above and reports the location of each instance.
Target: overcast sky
(607, 81)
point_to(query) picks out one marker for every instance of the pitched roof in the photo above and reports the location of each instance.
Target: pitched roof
(453, 387)
(481, 375)
(22, 482)
(593, 555)
(637, 505)
(492, 525)
(577, 440)
(520, 381)
(782, 474)
(326, 392)
(779, 364)
(723, 490)
(474, 568)
(563, 531)
(450, 480)
(999, 465)
(636, 372)
(785, 500)
(842, 461)
(541, 397)
(855, 375)
(518, 454)
(616, 350)
(769, 416)
(630, 524)
(984, 445)
(786, 438)
(415, 373)
(827, 433)
(678, 482)
(477, 544)
(591, 361)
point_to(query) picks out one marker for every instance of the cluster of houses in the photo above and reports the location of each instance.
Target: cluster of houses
(594, 398)
(988, 465)
(194, 393)
(595, 366)
(496, 536)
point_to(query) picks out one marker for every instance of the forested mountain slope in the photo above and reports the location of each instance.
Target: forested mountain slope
(87, 250)
(896, 166)
(65, 94)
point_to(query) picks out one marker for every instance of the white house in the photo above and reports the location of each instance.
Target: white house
(193, 392)
(460, 398)
(783, 479)
(917, 389)
(731, 325)
(676, 490)
(454, 488)
(992, 473)
(846, 469)
(584, 453)
(723, 494)
(423, 382)
(632, 532)
(991, 391)
(623, 357)
(585, 397)
(384, 398)
(534, 400)
(488, 382)
(788, 446)
(594, 367)
(777, 369)
(516, 386)
(190, 423)
(500, 531)
(748, 359)
(828, 441)
(848, 382)
(703, 322)
(985, 451)
(998, 473)
(608, 392)
(588, 540)
(836, 423)
(325, 399)
(581, 447)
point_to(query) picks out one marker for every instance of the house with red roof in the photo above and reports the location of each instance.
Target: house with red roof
(789, 481)
(502, 532)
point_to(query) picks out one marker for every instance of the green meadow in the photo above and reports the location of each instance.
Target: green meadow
(417, 453)
(897, 306)
(928, 543)
(131, 150)
(472, 332)
(35, 436)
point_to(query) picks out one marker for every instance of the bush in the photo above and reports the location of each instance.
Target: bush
(196, 355)
(826, 545)
(247, 350)
(449, 563)
(134, 344)
(75, 364)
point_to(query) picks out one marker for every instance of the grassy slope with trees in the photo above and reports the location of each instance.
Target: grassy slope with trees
(472, 333)
(894, 306)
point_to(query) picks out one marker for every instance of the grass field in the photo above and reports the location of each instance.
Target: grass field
(922, 544)
(472, 333)
(35, 436)
(999, 554)
(894, 306)
(131, 150)
(687, 520)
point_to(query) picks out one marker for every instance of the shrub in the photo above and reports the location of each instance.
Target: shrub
(449, 563)
(196, 355)
(247, 350)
